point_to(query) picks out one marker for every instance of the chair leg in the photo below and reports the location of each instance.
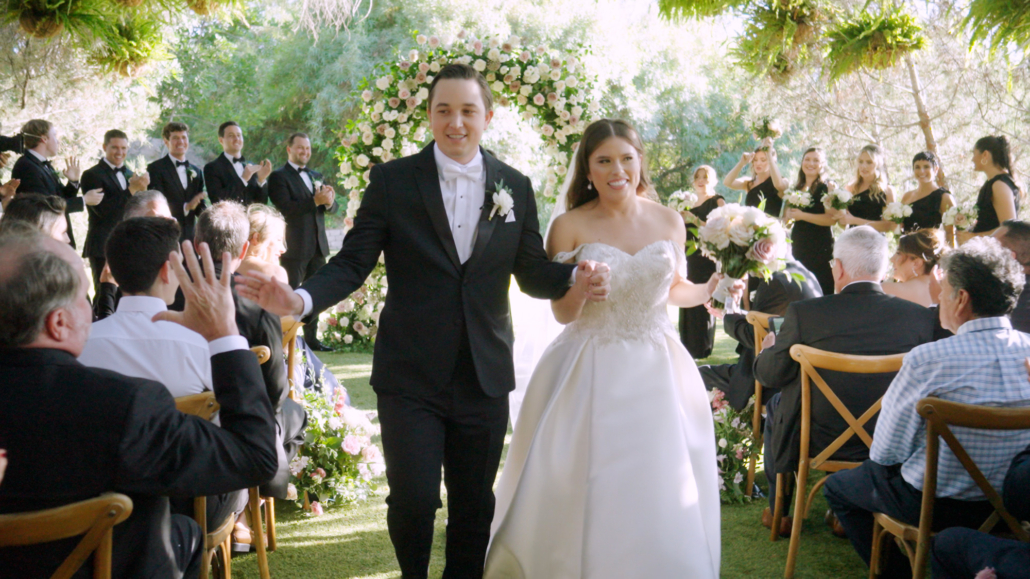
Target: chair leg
(800, 510)
(270, 522)
(756, 447)
(778, 509)
(227, 557)
(811, 494)
(205, 564)
(875, 554)
(258, 533)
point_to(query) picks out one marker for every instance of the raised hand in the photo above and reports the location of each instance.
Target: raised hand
(270, 293)
(4, 158)
(7, 191)
(93, 197)
(250, 170)
(72, 170)
(210, 310)
(264, 171)
(139, 182)
(746, 157)
(106, 276)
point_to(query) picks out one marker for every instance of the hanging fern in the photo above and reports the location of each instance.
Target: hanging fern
(779, 37)
(998, 22)
(686, 9)
(46, 18)
(134, 42)
(867, 40)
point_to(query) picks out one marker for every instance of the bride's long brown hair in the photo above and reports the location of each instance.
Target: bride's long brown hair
(595, 134)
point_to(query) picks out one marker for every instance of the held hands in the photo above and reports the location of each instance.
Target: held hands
(93, 197)
(72, 170)
(325, 196)
(193, 203)
(139, 183)
(210, 310)
(593, 280)
(270, 293)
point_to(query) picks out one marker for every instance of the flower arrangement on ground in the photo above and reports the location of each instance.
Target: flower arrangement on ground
(338, 462)
(797, 199)
(741, 241)
(351, 325)
(733, 440)
(961, 216)
(839, 199)
(896, 212)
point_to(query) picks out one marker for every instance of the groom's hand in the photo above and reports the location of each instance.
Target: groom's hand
(598, 275)
(270, 293)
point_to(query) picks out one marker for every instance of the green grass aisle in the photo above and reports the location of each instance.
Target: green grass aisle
(353, 542)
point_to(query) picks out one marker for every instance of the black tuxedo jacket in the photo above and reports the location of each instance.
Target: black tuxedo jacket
(223, 184)
(771, 297)
(14, 144)
(435, 301)
(104, 215)
(860, 320)
(305, 223)
(164, 178)
(73, 432)
(38, 178)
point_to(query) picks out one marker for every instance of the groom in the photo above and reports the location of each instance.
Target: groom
(443, 357)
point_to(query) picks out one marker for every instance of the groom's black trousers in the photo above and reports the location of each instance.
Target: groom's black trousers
(462, 429)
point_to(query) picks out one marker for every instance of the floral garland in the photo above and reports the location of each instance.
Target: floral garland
(733, 440)
(552, 91)
(352, 325)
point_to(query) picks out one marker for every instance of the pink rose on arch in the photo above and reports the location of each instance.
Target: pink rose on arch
(764, 251)
(394, 102)
(381, 129)
(316, 509)
(552, 97)
(420, 78)
(371, 453)
(515, 86)
(540, 50)
(423, 67)
(462, 34)
(404, 93)
(434, 41)
(405, 65)
(524, 56)
(508, 78)
(351, 444)
(538, 100)
(412, 102)
(477, 47)
(555, 63)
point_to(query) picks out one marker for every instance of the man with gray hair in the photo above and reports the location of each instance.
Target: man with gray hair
(148, 203)
(984, 364)
(858, 319)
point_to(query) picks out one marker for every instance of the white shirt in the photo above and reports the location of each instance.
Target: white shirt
(129, 343)
(303, 175)
(463, 200)
(238, 167)
(119, 175)
(181, 170)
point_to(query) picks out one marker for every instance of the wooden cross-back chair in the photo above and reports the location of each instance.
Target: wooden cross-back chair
(940, 416)
(93, 518)
(760, 322)
(810, 359)
(290, 328)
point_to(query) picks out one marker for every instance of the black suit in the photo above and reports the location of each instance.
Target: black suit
(14, 144)
(860, 320)
(104, 215)
(737, 381)
(223, 184)
(39, 178)
(73, 432)
(1020, 316)
(165, 178)
(443, 356)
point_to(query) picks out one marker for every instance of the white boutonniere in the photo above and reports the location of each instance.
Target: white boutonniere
(318, 185)
(503, 202)
(192, 174)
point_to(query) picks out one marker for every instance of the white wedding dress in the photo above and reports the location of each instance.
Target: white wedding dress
(611, 471)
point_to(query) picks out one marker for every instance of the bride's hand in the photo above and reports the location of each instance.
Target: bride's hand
(594, 278)
(736, 290)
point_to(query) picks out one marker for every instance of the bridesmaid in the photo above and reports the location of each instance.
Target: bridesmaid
(811, 235)
(697, 326)
(766, 183)
(871, 192)
(998, 200)
(913, 262)
(928, 201)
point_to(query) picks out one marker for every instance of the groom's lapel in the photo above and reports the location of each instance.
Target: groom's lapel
(428, 180)
(485, 229)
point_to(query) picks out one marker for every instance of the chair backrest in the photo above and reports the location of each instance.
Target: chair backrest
(940, 416)
(290, 328)
(94, 518)
(760, 321)
(812, 358)
(263, 353)
(202, 405)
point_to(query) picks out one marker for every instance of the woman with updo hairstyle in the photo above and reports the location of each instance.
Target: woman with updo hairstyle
(913, 263)
(267, 242)
(870, 190)
(697, 326)
(999, 198)
(928, 201)
(765, 183)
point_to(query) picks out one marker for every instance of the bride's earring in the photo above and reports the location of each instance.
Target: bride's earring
(589, 185)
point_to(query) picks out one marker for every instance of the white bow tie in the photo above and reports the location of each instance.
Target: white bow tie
(472, 172)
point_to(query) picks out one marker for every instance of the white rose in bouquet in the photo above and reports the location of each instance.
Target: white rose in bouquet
(681, 201)
(797, 199)
(961, 216)
(896, 212)
(838, 199)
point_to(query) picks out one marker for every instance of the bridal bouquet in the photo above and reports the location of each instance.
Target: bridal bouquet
(741, 241)
(896, 212)
(960, 216)
(681, 201)
(838, 199)
(797, 199)
(338, 461)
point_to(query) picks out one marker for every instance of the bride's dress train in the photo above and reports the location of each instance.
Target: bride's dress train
(611, 470)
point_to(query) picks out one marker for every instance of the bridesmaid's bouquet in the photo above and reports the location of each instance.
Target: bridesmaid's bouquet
(896, 212)
(960, 216)
(797, 199)
(681, 201)
(741, 241)
(838, 199)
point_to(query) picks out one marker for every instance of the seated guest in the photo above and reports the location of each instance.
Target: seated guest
(983, 364)
(229, 177)
(225, 228)
(737, 381)
(148, 203)
(44, 212)
(958, 553)
(266, 244)
(73, 432)
(859, 319)
(918, 253)
(1014, 235)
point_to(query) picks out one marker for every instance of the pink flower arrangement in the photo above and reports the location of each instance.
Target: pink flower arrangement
(351, 444)
(316, 509)
(719, 399)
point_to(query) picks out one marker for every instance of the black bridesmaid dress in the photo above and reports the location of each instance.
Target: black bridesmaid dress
(926, 213)
(765, 190)
(697, 326)
(986, 216)
(813, 244)
(866, 207)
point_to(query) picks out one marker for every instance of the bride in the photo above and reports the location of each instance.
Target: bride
(611, 470)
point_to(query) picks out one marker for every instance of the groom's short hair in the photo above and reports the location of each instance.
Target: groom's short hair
(457, 71)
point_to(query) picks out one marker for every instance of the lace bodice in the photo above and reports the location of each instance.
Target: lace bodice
(636, 306)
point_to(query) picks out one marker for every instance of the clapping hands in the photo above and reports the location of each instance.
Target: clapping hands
(262, 171)
(593, 279)
(325, 196)
(139, 182)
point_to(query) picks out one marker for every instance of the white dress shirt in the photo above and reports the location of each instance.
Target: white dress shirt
(129, 343)
(303, 175)
(463, 187)
(181, 170)
(118, 175)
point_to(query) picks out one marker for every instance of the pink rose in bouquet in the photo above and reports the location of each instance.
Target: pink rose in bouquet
(764, 251)
(351, 444)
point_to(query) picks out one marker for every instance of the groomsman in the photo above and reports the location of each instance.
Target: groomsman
(42, 140)
(181, 182)
(299, 194)
(229, 177)
(118, 184)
